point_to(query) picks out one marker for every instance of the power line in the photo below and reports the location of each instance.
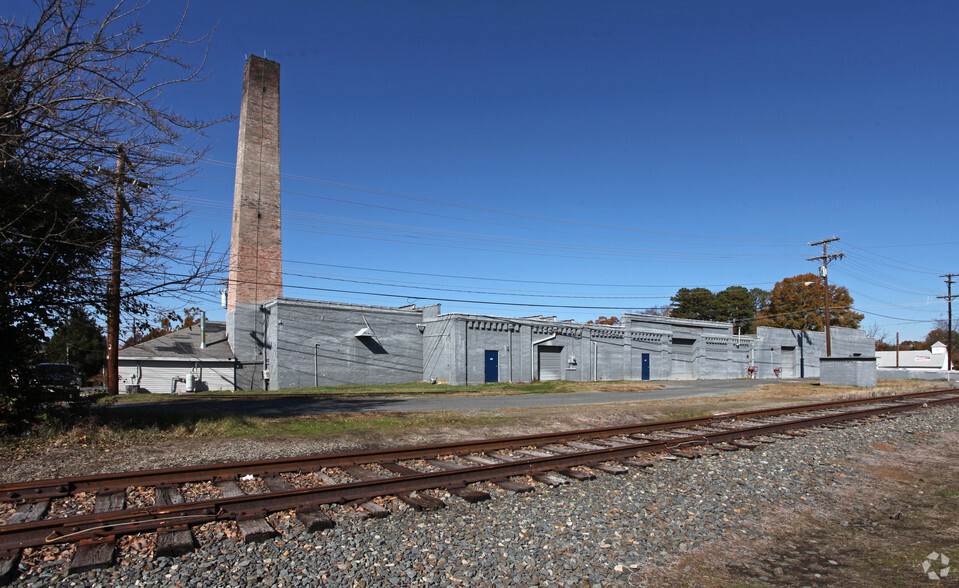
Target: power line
(420, 199)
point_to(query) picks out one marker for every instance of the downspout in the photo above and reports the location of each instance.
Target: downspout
(532, 352)
(266, 359)
(594, 357)
(466, 351)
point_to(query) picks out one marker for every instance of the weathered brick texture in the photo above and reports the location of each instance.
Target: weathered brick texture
(255, 247)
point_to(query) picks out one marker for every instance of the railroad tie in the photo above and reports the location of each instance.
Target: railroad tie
(371, 510)
(419, 502)
(618, 442)
(99, 552)
(639, 463)
(253, 529)
(583, 446)
(177, 540)
(509, 485)
(311, 515)
(27, 512)
(609, 469)
(548, 478)
(576, 474)
(468, 494)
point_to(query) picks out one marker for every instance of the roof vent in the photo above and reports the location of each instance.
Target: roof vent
(365, 332)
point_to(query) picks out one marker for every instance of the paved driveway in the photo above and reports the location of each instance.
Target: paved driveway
(294, 406)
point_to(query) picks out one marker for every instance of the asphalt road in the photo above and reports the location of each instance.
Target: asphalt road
(294, 406)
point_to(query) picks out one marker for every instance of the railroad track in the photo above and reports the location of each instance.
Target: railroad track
(171, 501)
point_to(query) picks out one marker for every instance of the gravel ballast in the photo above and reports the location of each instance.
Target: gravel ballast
(602, 532)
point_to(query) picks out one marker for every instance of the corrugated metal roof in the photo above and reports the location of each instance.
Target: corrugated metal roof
(185, 344)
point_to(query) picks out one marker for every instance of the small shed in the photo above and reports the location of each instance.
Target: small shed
(193, 359)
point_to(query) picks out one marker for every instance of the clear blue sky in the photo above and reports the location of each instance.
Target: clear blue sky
(596, 154)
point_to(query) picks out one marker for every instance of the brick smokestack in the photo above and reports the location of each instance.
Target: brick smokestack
(255, 243)
(255, 246)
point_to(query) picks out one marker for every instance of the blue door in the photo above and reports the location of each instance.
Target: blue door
(645, 366)
(492, 366)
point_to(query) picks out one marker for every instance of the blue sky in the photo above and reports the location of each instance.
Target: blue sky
(583, 158)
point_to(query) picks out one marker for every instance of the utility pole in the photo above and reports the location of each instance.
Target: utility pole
(949, 296)
(116, 256)
(825, 258)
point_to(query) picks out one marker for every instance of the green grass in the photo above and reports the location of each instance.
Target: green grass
(410, 389)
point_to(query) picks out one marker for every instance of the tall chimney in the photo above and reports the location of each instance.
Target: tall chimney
(255, 244)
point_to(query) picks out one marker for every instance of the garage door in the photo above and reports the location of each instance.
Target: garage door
(550, 362)
(681, 353)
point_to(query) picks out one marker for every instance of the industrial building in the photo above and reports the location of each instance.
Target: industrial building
(274, 342)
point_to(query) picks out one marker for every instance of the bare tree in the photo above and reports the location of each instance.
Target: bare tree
(80, 99)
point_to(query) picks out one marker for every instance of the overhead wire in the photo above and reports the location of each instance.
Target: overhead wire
(436, 202)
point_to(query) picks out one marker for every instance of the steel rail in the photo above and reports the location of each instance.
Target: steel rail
(93, 526)
(111, 482)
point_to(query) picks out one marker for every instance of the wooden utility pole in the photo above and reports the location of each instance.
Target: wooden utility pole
(825, 258)
(116, 257)
(949, 296)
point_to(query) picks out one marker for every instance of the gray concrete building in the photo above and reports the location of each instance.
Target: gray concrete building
(309, 343)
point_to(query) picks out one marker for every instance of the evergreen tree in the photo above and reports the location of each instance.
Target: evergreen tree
(78, 341)
(735, 305)
(695, 303)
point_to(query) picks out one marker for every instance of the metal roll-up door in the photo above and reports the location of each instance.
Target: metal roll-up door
(681, 353)
(550, 362)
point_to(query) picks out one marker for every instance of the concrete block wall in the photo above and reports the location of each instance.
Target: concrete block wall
(810, 347)
(909, 374)
(656, 344)
(611, 359)
(848, 371)
(455, 348)
(317, 344)
(438, 352)
(309, 343)
(712, 352)
(246, 328)
(477, 335)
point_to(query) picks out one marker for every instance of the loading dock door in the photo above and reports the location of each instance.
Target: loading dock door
(492, 367)
(682, 359)
(550, 362)
(789, 362)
